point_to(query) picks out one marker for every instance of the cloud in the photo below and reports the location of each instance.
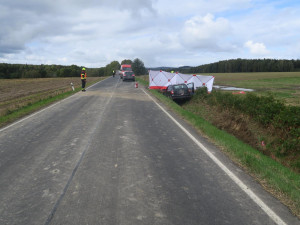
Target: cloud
(257, 48)
(206, 33)
(94, 33)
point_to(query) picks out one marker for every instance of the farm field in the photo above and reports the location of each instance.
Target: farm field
(283, 85)
(18, 93)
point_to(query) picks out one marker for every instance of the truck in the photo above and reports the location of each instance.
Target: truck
(124, 67)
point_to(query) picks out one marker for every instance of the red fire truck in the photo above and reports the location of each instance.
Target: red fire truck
(124, 67)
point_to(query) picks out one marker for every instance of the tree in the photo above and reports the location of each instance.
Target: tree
(42, 71)
(114, 65)
(65, 72)
(138, 67)
(101, 72)
(126, 61)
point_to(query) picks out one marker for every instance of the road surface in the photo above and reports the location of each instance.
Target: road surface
(112, 156)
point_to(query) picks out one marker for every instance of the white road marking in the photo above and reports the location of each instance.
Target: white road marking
(244, 187)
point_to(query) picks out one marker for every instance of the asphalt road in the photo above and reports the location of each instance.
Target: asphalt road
(112, 156)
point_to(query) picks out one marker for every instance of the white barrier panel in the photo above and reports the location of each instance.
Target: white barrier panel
(162, 79)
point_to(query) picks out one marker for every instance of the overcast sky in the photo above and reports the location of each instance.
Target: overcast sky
(93, 33)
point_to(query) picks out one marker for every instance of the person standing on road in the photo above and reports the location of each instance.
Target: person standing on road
(83, 78)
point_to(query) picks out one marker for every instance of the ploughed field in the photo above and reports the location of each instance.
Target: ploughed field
(17, 93)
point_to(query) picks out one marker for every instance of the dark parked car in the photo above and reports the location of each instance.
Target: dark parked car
(128, 75)
(178, 91)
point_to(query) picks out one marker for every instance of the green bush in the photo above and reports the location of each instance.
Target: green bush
(267, 111)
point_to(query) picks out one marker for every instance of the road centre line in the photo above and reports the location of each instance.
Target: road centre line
(42, 110)
(233, 177)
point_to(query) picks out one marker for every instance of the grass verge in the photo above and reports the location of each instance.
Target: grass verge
(282, 182)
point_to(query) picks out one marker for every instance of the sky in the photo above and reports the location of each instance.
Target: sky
(175, 33)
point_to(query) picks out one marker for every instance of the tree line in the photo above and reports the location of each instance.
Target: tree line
(10, 71)
(15, 71)
(245, 65)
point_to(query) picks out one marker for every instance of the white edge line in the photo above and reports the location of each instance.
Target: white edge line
(42, 110)
(244, 187)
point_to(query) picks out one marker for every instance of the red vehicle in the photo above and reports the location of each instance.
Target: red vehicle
(124, 68)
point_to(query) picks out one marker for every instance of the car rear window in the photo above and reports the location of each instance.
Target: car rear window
(127, 69)
(181, 86)
(128, 73)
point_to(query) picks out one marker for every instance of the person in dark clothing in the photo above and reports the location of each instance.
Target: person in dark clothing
(83, 78)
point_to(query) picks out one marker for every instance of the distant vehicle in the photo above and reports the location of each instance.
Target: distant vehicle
(178, 92)
(128, 75)
(124, 67)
